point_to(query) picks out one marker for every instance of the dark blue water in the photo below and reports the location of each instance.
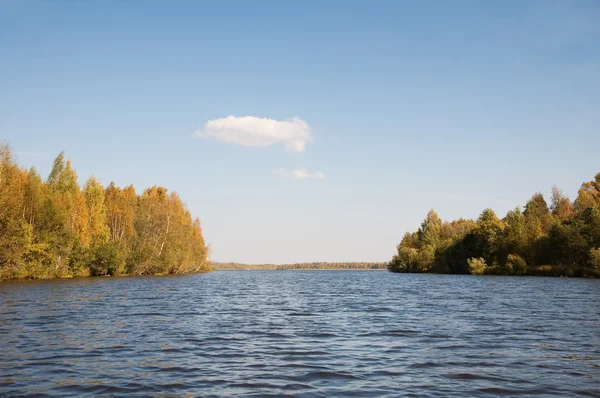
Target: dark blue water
(301, 333)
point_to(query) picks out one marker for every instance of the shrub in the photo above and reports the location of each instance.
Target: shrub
(38, 261)
(516, 265)
(79, 260)
(106, 260)
(477, 266)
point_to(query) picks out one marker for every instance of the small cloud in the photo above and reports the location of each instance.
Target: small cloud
(299, 174)
(255, 131)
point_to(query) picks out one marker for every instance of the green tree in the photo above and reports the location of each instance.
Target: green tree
(489, 234)
(537, 225)
(406, 258)
(560, 239)
(514, 239)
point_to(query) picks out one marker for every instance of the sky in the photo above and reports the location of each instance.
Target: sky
(307, 130)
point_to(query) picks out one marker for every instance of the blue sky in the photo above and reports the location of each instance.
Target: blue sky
(455, 106)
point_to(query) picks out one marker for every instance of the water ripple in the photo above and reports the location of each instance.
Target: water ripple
(301, 334)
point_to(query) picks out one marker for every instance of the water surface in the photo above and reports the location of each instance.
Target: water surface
(301, 333)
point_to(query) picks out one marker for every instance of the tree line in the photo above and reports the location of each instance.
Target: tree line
(557, 239)
(54, 228)
(301, 266)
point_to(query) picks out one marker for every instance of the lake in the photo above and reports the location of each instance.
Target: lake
(301, 333)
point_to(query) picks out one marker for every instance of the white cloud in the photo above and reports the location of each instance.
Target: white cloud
(299, 174)
(255, 131)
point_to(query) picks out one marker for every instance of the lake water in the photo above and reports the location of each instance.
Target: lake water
(301, 333)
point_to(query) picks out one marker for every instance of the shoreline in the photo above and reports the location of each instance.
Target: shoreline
(305, 269)
(63, 278)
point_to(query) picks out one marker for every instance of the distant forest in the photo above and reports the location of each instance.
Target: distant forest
(557, 239)
(299, 266)
(54, 228)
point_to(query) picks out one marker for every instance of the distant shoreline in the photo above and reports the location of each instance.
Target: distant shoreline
(314, 266)
(304, 269)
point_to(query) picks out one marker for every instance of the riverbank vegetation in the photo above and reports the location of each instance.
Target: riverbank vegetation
(301, 266)
(557, 239)
(54, 228)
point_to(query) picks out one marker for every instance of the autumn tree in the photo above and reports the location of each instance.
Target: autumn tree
(12, 231)
(561, 207)
(54, 228)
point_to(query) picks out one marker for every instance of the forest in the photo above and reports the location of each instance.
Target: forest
(54, 228)
(557, 239)
(301, 266)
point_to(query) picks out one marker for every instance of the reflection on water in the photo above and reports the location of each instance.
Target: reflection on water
(301, 333)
